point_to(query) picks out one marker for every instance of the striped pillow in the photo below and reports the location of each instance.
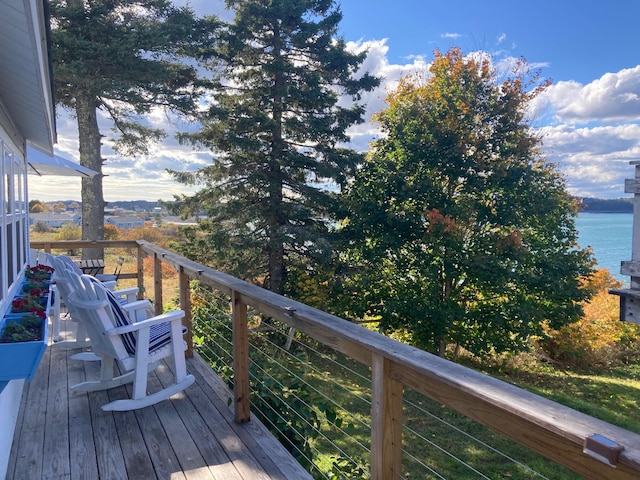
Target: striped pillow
(159, 335)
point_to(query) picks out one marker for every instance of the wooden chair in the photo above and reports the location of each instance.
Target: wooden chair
(136, 344)
(65, 274)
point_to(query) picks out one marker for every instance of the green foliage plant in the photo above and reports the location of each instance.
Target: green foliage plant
(458, 229)
(277, 129)
(292, 410)
(69, 231)
(28, 329)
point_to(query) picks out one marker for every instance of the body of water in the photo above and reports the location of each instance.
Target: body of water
(609, 235)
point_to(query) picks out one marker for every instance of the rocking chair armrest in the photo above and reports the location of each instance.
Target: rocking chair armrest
(173, 316)
(110, 284)
(106, 277)
(137, 310)
(131, 293)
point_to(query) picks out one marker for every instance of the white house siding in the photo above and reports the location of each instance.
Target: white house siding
(26, 115)
(54, 220)
(13, 251)
(125, 222)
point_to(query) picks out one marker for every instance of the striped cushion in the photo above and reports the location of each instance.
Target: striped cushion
(159, 335)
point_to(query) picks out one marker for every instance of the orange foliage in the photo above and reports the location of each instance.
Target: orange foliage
(437, 222)
(599, 338)
(160, 236)
(111, 232)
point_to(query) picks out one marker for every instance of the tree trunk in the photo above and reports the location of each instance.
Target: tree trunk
(92, 196)
(277, 221)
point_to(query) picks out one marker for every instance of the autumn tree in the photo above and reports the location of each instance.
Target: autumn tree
(120, 59)
(460, 232)
(277, 130)
(37, 206)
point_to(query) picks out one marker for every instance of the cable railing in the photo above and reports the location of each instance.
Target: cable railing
(351, 403)
(342, 391)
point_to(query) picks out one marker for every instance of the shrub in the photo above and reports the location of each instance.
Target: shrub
(111, 232)
(69, 231)
(41, 227)
(599, 338)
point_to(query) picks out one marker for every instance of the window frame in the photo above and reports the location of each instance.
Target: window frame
(14, 221)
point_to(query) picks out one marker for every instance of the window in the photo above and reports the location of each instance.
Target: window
(13, 219)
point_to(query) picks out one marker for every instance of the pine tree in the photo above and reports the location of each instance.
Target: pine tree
(123, 58)
(278, 130)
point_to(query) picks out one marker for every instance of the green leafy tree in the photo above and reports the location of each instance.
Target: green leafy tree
(123, 58)
(461, 232)
(277, 130)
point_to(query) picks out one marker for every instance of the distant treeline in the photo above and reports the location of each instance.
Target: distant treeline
(591, 205)
(601, 205)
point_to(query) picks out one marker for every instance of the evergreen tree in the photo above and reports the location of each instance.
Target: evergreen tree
(461, 230)
(123, 58)
(277, 129)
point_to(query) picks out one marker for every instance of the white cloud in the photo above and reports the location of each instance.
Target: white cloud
(595, 160)
(614, 97)
(378, 64)
(594, 157)
(207, 7)
(454, 36)
(501, 38)
(592, 131)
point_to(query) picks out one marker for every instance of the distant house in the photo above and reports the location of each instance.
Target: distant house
(125, 222)
(54, 220)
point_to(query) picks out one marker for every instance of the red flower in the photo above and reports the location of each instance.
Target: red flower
(39, 313)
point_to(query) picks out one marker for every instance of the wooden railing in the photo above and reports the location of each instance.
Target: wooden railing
(553, 430)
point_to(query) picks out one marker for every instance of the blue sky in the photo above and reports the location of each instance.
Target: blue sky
(589, 118)
(575, 40)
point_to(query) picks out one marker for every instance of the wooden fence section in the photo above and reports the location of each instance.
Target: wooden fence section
(553, 430)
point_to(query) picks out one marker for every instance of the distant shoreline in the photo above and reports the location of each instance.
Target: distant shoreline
(595, 212)
(599, 205)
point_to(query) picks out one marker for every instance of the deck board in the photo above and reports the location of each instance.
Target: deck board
(56, 433)
(191, 436)
(81, 441)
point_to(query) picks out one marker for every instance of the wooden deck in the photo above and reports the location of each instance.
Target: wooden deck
(190, 436)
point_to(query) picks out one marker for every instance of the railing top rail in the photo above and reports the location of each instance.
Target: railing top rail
(68, 244)
(554, 430)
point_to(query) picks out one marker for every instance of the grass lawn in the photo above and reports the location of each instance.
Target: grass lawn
(437, 441)
(612, 395)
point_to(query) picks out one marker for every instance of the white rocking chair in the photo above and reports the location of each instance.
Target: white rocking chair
(137, 346)
(65, 276)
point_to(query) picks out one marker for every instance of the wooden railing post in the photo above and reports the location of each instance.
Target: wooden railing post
(386, 421)
(157, 283)
(141, 292)
(240, 359)
(185, 304)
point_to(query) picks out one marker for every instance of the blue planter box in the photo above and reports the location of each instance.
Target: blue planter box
(21, 359)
